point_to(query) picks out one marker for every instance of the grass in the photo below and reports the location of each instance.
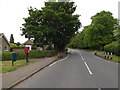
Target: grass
(6, 66)
(101, 53)
(114, 57)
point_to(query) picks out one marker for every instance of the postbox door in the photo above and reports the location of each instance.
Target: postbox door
(26, 50)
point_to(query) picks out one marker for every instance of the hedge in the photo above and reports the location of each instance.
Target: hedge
(113, 47)
(32, 54)
(16, 47)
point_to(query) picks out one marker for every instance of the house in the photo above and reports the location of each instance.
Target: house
(4, 44)
(28, 43)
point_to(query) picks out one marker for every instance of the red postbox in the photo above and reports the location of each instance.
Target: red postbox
(26, 50)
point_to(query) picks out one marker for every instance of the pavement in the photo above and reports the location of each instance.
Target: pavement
(13, 78)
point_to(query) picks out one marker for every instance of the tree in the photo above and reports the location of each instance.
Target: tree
(117, 32)
(54, 23)
(98, 33)
(103, 25)
(18, 44)
(11, 38)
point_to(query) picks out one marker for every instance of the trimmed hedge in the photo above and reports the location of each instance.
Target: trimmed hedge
(16, 47)
(37, 54)
(32, 54)
(113, 47)
(6, 56)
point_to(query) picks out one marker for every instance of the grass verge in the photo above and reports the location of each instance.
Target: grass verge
(7, 65)
(101, 53)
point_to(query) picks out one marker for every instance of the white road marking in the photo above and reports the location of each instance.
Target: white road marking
(58, 61)
(86, 64)
(82, 57)
(88, 68)
(101, 59)
(63, 59)
(52, 64)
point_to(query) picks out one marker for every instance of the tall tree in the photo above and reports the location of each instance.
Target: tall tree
(18, 44)
(11, 38)
(117, 33)
(103, 25)
(98, 33)
(55, 24)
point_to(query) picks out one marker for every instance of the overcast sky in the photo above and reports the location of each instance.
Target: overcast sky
(12, 13)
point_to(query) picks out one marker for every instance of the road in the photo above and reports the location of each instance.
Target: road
(78, 70)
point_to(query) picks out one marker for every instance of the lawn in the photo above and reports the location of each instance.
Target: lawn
(114, 57)
(6, 66)
(101, 53)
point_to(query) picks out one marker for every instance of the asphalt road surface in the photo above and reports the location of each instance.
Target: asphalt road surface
(79, 69)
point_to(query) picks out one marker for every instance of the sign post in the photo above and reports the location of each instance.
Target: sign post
(26, 50)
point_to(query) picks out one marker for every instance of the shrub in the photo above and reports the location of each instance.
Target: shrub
(36, 54)
(21, 55)
(6, 56)
(32, 54)
(49, 47)
(16, 47)
(113, 47)
(50, 53)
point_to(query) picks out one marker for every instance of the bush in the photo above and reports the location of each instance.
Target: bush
(16, 47)
(36, 54)
(21, 55)
(6, 56)
(50, 53)
(113, 47)
(49, 47)
(32, 54)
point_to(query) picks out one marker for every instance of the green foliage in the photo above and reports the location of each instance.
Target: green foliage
(7, 66)
(18, 44)
(54, 23)
(50, 53)
(32, 54)
(6, 56)
(21, 55)
(98, 34)
(37, 54)
(11, 39)
(34, 47)
(49, 47)
(117, 33)
(113, 47)
(16, 47)
(13, 44)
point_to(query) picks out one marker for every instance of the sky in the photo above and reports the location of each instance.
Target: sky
(12, 13)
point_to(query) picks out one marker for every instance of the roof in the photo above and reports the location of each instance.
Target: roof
(28, 42)
(2, 35)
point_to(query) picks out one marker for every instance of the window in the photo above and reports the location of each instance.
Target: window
(5, 48)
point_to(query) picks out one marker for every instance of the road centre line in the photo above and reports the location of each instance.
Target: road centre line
(86, 64)
(82, 57)
(88, 68)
